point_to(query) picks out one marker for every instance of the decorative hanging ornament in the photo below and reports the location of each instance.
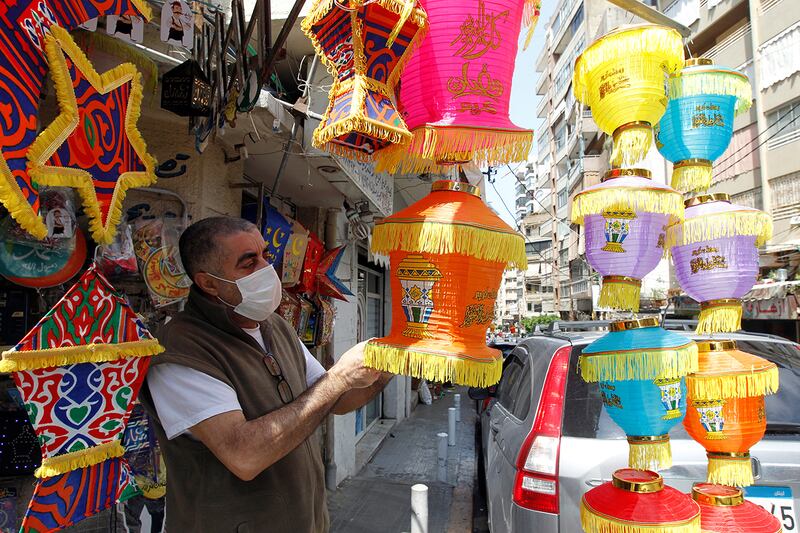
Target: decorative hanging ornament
(365, 45)
(93, 145)
(723, 509)
(622, 77)
(698, 124)
(637, 501)
(328, 283)
(640, 368)
(626, 217)
(79, 371)
(715, 253)
(448, 252)
(726, 408)
(23, 68)
(455, 92)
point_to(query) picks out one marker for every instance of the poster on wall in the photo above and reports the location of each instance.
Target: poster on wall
(90, 25)
(126, 27)
(176, 24)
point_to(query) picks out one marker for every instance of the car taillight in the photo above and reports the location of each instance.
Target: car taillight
(536, 484)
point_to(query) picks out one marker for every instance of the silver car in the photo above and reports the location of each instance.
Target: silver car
(547, 439)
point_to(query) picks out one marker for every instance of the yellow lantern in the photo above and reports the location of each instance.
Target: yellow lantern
(622, 76)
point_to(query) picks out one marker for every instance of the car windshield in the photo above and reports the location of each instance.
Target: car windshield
(584, 415)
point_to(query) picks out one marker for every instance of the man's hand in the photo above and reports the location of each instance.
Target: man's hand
(351, 370)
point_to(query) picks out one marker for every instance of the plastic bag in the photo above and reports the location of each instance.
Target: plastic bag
(119, 257)
(425, 395)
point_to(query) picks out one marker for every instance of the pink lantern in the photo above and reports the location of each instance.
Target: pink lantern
(454, 93)
(715, 253)
(626, 217)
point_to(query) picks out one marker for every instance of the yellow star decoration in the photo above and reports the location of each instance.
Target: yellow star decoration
(58, 43)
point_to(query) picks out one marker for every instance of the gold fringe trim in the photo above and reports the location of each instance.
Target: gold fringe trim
(16, 204)
(57, 43)
(731, 471)
(357, 122)
(652, 200)
(595, 522)
(432, 366)
(14, 361)
(720, 225)
(143, 8)
(720, 82)
(431, 145)
(720, 319)
(650, 455)
(112, 46)
(664, 43)
(723, 387)
(631, 145)
(435, 237)
(61, 464)
(691, 178)
(620, 295)
(649, 364)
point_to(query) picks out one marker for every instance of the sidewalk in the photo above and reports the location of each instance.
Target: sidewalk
(378, 499)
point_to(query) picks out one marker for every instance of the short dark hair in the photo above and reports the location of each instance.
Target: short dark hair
(199, 242)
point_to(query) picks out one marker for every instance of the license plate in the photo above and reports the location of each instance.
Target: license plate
(776, 500)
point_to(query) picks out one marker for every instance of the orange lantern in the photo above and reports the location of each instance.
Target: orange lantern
(447, 252)
(726, 412)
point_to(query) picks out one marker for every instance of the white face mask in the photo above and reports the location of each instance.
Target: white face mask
(261, 293)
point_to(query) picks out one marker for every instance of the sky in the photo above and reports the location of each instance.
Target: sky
(523, 112)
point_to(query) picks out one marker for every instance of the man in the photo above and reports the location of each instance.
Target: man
(237, 397)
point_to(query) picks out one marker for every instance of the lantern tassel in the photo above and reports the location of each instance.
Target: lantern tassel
(620, 293)
(594, 522)
(447, 238)
(649, 364)
(734, 471)
(721, 225)
(432, 366)
(14, 361)
(720, 316)
(61, 464)
(645, 454)
(715, 82)
(692, 176)
(702, 388)
(631, 143)
(663, 202)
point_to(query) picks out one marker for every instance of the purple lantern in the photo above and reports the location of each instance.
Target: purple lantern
(626, 217)
(715, 253)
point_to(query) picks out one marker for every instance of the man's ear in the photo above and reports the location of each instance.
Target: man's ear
(206, 283)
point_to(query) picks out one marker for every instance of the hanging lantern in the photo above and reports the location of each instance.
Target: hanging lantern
(455, 92)
(698, 123)
(726, 408)
(448, 252)
(715, 253)
(365, 45)
(640, 368)
(186, 91)
(723, 509)
(625, 218)
(637, 501)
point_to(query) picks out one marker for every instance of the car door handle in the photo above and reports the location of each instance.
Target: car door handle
(494, 427)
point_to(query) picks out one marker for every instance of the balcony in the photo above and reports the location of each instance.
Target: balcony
(577, 290)
(588, 125)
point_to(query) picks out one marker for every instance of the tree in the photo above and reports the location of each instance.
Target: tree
(530, 323)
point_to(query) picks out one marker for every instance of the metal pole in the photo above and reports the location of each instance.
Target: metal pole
(419, 509)
(442, 457)
(457, 405)
(761, 112)
(451, 422)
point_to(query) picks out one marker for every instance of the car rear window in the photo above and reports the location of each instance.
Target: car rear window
(585, 417)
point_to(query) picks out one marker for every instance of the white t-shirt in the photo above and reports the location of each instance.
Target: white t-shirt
(184, 397)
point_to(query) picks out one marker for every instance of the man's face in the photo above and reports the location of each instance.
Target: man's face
(240, 254)
(176, 9)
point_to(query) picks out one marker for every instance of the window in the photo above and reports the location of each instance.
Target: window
(563, 196)
(530, 307)
(514, 389)
(536, 247)
(784, 120)
(786, 190)
(370, 324)
(751, 198)
(529, 231)
(537, 308)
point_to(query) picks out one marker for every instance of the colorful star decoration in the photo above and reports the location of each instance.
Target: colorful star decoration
(327, 282)
(93, 144)
(23, 68)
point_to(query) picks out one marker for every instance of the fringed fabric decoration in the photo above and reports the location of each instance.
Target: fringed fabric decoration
(621, 76)
(650, 453)
(723, 509)
(448, 253)
(91, 353)
(23, 68)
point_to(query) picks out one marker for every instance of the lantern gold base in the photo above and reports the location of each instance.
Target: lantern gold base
(433, 366)
(649, 453)
(593, 522)
(692, 175)
(620, 292)
(631, 143)
(720, 316)
(733, 469)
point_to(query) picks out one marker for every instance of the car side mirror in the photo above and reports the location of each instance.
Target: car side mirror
(476, 393)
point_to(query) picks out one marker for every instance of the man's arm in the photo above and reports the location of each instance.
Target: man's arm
(247, 448)
(355, 398)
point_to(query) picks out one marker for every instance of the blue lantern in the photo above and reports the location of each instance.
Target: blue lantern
(641, 369)
(698, 123)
